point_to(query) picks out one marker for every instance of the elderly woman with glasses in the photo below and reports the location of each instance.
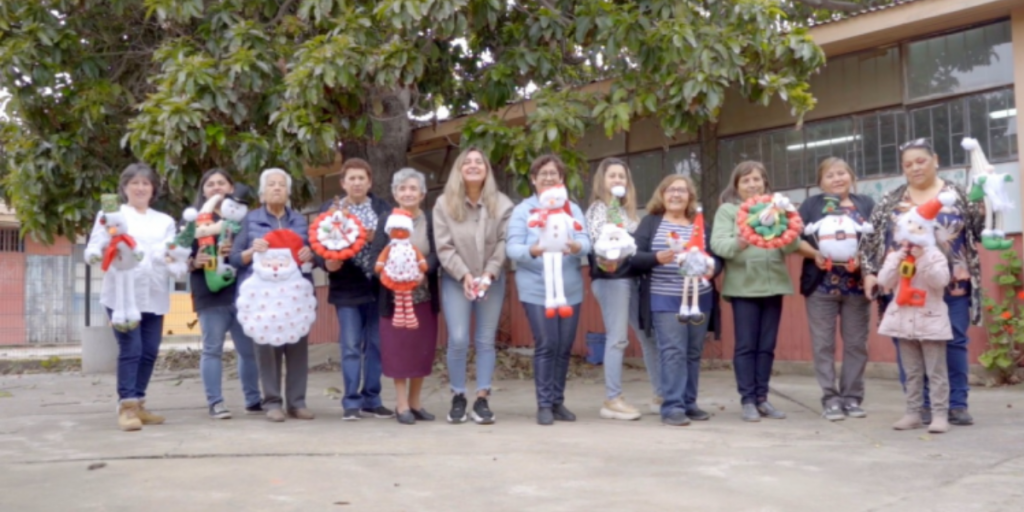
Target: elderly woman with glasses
(958, 230)
(553, 336)
(407, 355)
(276, 213)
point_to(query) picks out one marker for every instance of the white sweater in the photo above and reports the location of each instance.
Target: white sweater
(152, 279)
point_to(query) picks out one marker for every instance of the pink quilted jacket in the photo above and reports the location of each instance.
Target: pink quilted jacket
(928, 322)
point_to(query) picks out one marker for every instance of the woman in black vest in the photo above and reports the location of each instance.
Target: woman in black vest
(836, 290)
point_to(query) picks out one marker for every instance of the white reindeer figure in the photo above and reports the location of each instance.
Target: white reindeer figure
(119, 256)
(990, 187)
(555, 220)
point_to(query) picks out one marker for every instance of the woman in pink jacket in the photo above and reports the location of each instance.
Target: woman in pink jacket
(918, 316)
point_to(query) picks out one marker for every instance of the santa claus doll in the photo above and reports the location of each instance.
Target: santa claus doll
(276, 304)
(915, 231)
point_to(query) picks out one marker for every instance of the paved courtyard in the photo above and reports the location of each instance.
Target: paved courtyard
(60, 450)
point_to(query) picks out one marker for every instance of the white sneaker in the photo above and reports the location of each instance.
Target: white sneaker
(618, 409)
(656, 404)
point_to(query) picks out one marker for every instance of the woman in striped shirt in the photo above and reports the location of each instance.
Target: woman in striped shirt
(672, 210)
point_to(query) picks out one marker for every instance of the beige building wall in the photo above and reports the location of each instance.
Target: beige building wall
(1017, 28)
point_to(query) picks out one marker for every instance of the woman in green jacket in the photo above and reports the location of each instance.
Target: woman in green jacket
(755, 281)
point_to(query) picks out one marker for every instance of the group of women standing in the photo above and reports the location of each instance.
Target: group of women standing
(468, 240)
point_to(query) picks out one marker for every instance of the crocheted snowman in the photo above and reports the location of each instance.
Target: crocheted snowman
(556, 223)
(276, 305)
(119, 256)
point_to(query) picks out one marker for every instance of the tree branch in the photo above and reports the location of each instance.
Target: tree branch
(833, 5)
(282, 11)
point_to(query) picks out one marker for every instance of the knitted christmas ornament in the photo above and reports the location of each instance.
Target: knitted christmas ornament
(916, 227)
(769, 222)
(989, 187)
(119, 256)
(336, 234)
(276, 305)
(401, 267)
(557, 225)
(694, 265)
(837, 234)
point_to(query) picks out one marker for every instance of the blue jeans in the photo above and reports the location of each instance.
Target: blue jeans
(957, 359)
(136, 356)
(648, 345)
(680, 347)
(458, 314)
(553, 338)
(360, 355)
(215, 323)
(620, 309)
(756, 323)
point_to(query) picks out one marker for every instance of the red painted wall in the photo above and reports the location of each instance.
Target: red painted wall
(12, 298)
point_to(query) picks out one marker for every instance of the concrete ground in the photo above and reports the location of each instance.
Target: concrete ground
(60, 450)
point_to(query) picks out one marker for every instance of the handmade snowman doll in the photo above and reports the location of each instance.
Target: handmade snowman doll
(556, 223)
(916, 228)
(989, 187)
(119, 256)
(232, 210)
(401, 267)
(276, 304)
(694, 265)
(837, 235)
(614, 244)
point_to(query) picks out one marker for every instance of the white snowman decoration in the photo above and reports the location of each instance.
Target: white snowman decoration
(838, 235)
(614, 243)
(120, 257)
(276, 304)
(557, 225)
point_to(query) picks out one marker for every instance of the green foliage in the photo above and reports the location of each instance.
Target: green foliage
(1005, 321)
(186, 85)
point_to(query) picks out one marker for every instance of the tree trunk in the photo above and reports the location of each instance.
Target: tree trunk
(387, 155)
(710, 182)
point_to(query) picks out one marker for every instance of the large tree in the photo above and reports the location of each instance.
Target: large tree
(187, 85)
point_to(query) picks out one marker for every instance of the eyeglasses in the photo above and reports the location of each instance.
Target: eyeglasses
(917, 143)
(548, 174)
(676, 191)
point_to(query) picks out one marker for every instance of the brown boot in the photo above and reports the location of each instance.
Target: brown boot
(147, 417)
(909, 421)
(128, 416)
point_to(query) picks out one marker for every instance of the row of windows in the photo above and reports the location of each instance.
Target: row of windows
(11, 240)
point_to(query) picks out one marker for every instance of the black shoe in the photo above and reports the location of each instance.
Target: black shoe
(481, 413)
(562, 414)
(422, 415)
(683, 319)
(458, 412)
(545, 416)
(254, 409)
(697, 414)
(960, 417)
(406, 418)
(854, 410)
(352, 415)
(676, 418)
(926, 416)
(379, 412)
(698, 318)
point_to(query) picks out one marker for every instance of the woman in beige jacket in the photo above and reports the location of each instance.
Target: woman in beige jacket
(470, 223)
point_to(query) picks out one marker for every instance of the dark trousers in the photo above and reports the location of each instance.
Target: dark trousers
(295, 374)
(756, 323)
(553, 338)
(136, 355)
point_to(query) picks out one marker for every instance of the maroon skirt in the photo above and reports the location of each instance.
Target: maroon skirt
(409, 353)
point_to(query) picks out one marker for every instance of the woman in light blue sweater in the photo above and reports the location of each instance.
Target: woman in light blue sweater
(553, 337)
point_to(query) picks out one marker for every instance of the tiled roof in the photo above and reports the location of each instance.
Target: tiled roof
(868, 10)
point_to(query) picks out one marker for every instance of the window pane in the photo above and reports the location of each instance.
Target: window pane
(647, 172)
(955, 63)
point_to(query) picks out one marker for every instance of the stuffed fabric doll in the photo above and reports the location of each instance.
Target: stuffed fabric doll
(232, 210)
(837, 235)
(401, 267)
(119, 256)
(554, 218)
(276, 304)
(989, 187)
(694, 265)
(916, 228)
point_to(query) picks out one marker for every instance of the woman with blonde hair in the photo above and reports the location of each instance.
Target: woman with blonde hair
(613, 207)
(470, 226)
(755, 282)
(836, 291)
